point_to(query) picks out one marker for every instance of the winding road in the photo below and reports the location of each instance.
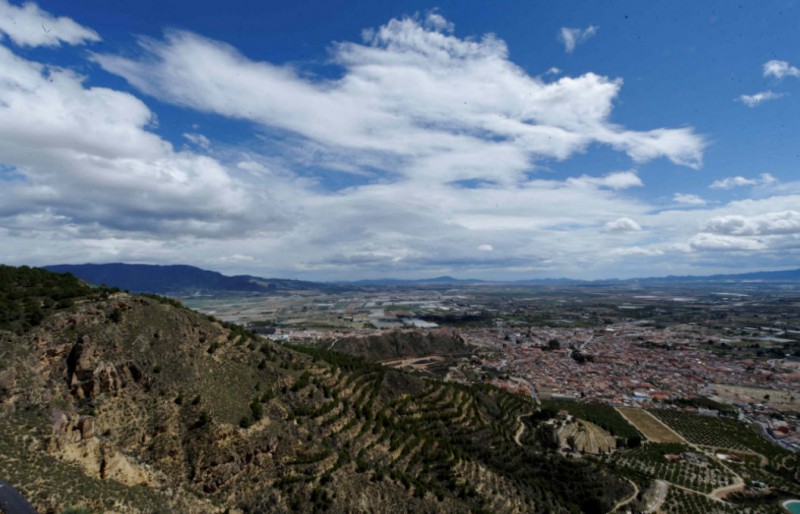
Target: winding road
(629, 499)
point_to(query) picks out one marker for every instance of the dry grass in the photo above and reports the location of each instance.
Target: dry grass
(780, 400)
(653, 429)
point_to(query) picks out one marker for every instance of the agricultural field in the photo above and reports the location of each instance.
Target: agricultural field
(720, 433)
(750, 469)
(653, 429)
(700, 473)
(767, 462)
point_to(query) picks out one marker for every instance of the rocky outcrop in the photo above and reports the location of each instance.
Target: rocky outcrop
(584, 437)
(75, 439)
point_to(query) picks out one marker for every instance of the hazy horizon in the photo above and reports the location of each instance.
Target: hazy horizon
(409, 278)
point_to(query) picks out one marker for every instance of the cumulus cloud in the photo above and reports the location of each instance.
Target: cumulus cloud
(28, 25)
(780, 69)
(772, 223)
(758, 98)
(715, 242)
(571, 37)
(417, 99)
(730, 182)
(622, 225)
(688, 199)
(88, 164)
(772, 234)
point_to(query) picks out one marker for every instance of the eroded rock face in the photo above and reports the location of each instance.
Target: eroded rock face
(75, 439)
(585, 437)
(89, 377)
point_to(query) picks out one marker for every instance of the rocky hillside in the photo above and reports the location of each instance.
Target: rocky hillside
(121, 403)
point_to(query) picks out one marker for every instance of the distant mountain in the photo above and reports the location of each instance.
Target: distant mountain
(182, 279)
(146, 278)
(756, 276)
(412, 282)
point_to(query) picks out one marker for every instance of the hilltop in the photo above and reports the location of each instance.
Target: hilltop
(131, 403)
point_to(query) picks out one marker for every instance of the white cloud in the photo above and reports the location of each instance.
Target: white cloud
(571, 37)
(485, 248)
(237, 258)
(688, 199)
(772, 223)
(636, 251)
(89, 165)
(730, 182)
(758, 98)
(622, 225)
(198, 139)
(615, 180)
(28, 25)
(437, 22)
(715, 242)
(420, 102)
(780, 69)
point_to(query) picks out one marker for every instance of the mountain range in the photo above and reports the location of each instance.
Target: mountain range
(183, 279)
(171, 279)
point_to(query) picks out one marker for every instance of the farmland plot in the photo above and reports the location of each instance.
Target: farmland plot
(653, 429)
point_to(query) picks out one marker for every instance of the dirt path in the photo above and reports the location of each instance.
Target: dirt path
(722, 449)
(659, 498)
(738, 481)
(521, 428)
(629, 499)
(720, 492)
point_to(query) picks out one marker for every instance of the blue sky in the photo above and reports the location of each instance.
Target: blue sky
(347, 140)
